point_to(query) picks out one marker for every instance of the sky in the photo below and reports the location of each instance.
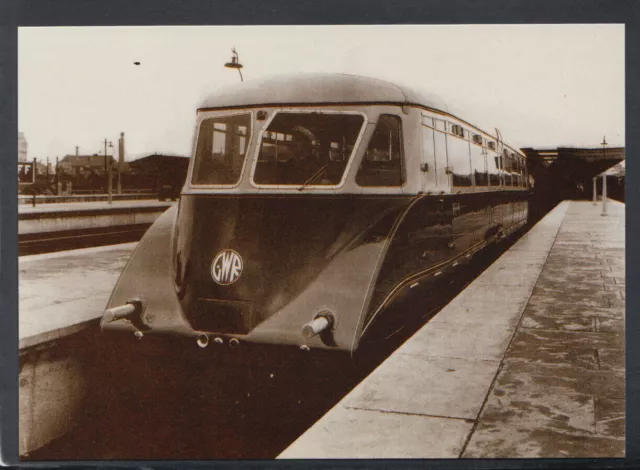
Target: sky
(541, 85)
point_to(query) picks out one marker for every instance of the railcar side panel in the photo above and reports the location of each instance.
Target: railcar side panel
(437, 234)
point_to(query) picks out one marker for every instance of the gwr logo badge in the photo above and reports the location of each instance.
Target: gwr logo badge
(226, 267)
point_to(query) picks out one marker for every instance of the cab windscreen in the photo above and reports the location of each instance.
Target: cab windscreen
(221, 149)
(307, 149)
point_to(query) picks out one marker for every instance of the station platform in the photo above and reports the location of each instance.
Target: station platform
(528, 361)
(58, 217)
(60, 293)
(51, 199)
(30, 211)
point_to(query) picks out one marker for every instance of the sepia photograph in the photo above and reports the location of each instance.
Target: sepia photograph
(321, 242)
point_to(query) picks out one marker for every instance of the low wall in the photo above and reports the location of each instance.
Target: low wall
(46, 222)
(52, 391)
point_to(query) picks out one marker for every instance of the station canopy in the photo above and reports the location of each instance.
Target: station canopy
(618, 170)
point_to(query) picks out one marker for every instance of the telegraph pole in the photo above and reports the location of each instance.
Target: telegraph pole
(120, 160)
(604, 176)
(57, 177)
(107, 166)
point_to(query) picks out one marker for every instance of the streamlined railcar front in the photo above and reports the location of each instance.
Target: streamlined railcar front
(273, 241)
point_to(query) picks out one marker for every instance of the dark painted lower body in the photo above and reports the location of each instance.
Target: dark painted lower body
(440, 234)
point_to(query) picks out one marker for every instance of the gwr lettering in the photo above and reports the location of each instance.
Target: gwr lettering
(226, 267)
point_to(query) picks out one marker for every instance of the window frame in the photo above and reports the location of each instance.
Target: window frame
(306, 110)
(192, 164)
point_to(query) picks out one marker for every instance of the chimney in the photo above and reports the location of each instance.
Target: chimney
(76, 150)
(121, 149)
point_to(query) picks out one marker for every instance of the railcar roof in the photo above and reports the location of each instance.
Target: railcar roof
(317, 88)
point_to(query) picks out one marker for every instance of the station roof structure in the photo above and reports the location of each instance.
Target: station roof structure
(618, 170)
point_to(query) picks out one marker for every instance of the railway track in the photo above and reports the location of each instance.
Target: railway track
(31, 244)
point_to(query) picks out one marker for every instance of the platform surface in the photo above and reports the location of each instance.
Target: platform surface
(527, 361)
(60, 292)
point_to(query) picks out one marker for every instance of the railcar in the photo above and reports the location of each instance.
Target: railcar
(313, 203)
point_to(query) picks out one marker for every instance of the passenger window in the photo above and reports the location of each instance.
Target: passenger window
(457, 130)
(520, 170)
(307, 149)
(459, 164)
(478, 161)
(382, 164)
(221, 149)
(515, 170)
(494, 164)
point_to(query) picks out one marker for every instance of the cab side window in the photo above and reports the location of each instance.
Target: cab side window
(382, 164)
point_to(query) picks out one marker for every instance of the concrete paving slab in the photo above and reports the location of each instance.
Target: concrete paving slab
(583, 296)
(478, 292)
(554, 278)
(556, 380)
(390, 436)
(611, 358)
(474, 341)
(509, 442)
(527, 405)
(616, 267)
(610, 417)
(574, 318)
(446, 387)
(46, 324)
(59, 291)
(548, 411)
(575, 349)
(561, 262)
(489, 313)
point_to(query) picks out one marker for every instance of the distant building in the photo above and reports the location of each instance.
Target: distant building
(22, 147)
(156, 171)
(41, 168)
(84, 165)
(550, 155)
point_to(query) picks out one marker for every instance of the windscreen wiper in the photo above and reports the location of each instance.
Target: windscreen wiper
(313, 177)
